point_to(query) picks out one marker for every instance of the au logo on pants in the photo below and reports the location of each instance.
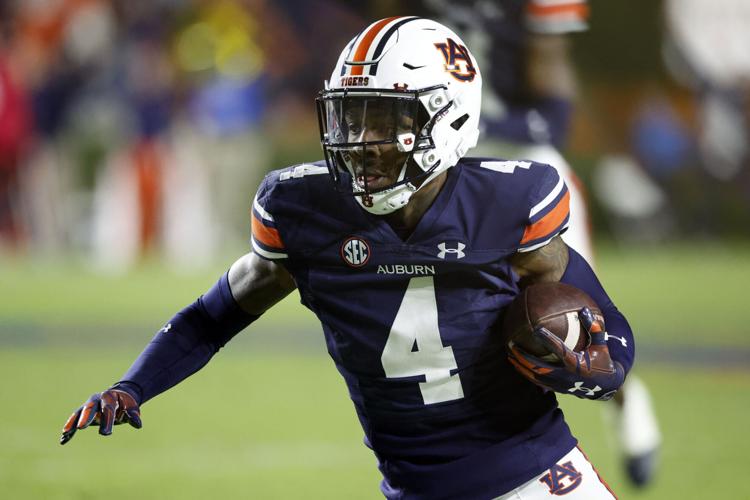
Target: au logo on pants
(562, 478)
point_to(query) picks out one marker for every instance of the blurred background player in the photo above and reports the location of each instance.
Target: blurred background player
(527, 105)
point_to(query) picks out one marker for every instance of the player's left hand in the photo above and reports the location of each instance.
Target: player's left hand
(106, 409)
(589, 374)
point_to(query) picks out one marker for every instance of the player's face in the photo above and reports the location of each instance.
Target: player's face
(371, 120)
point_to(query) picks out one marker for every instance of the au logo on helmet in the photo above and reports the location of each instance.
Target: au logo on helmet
(453, 53)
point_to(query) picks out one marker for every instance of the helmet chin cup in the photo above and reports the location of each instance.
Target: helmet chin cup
(386, 202)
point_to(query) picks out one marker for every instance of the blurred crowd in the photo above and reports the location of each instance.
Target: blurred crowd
(137, 128)
(128, 127)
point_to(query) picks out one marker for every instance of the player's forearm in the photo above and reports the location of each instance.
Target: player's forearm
(619, 335)
(187, 342)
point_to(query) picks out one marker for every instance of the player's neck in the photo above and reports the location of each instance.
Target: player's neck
(406, 219)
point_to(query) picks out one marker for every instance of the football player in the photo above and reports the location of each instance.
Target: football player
(408, 252)
(523, 48)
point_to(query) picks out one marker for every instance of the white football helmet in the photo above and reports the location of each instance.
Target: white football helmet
(421, 84)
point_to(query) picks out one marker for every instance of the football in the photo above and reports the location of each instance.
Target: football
(554, 306)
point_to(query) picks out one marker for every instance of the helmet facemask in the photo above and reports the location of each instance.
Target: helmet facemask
(376, 143)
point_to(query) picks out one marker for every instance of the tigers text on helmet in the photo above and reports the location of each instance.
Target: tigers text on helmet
(405, 94)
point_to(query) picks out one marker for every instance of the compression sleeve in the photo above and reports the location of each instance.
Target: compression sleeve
(187, 342)
(619, 335)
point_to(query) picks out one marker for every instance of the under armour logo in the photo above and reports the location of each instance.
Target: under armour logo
(578, 386)
(458, 251)
(622, 340)
(166, 328)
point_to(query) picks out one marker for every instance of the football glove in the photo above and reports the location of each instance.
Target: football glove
(111, 407)
(589, 374)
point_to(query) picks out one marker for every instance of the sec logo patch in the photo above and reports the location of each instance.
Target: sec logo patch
(355, 252)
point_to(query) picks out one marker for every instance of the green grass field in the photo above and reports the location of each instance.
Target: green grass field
(270, 416)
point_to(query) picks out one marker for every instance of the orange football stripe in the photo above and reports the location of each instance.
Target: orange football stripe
(266, 235)
(549, 222)
(581, 10)
(364, 44)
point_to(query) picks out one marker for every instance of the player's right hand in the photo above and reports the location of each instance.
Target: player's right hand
(111, 407)
(589, 374)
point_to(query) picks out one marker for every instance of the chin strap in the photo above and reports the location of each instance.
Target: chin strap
(387, 202)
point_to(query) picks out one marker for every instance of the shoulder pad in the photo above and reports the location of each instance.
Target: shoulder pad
(285, 194)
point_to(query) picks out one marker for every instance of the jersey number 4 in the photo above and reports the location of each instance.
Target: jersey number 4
(414, 346)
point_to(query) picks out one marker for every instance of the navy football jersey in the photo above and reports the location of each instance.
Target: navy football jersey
(413, 325)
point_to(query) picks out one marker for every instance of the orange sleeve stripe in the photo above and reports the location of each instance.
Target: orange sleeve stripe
(549, 222)
(266, 235)
(581, 10)
(364, 44)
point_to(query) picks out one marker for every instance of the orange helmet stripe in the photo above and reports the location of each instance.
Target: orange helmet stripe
(366, 42)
